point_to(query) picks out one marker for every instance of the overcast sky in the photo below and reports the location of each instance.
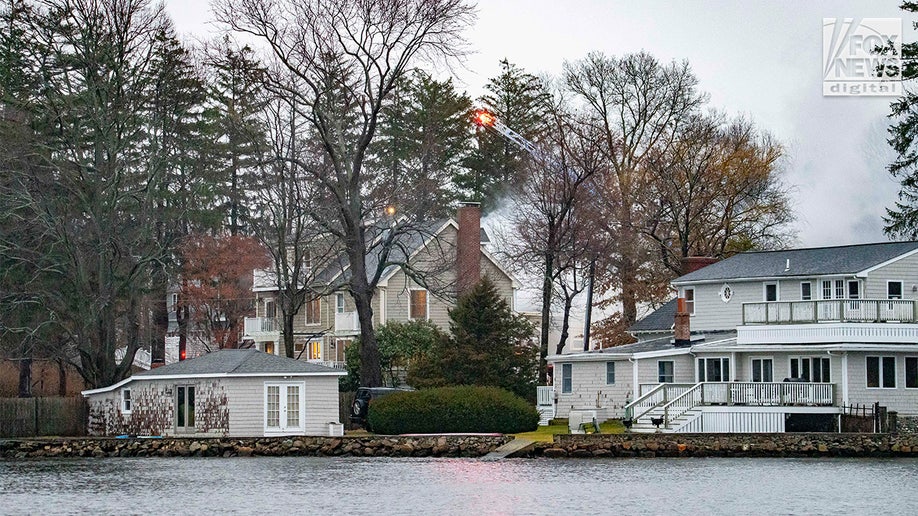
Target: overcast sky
(761, 59)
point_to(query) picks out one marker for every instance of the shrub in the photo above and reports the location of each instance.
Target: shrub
(463, 409)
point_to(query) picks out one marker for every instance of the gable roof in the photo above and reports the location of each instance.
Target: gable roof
(660, 319)
(660, 346)
(229, 362)
(817, 261)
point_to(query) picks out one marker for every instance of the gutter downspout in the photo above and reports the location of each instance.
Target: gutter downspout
(634, 378)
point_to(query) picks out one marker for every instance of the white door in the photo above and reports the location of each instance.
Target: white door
(284, 406)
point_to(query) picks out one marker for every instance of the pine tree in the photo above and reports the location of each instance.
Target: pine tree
(521, 102)
(902, 221)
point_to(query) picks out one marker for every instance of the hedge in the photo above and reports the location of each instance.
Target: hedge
(464, 409)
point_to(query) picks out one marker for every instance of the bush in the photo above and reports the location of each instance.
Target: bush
(464, 409)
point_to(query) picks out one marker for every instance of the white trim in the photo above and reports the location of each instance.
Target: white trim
(752, 359)
(867, 271)
(844, 379)
(810, 283)
(383, 295)
(765, 285)
(110, 388)
(901, 290)
(130, 400)
(614, 377)
(673, 362)
(693, 301)
(282, 429)
(880, 373)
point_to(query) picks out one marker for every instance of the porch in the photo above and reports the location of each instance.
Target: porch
(831, 310)
(727, 406)
(261, 328)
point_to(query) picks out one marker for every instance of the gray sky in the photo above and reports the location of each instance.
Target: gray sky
(761, 59)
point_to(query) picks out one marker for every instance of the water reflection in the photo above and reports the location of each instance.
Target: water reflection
(458, 486)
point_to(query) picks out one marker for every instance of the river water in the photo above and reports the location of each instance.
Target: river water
(307, 485)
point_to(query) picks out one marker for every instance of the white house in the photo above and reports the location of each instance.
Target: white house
(227, 393)
(773, 339)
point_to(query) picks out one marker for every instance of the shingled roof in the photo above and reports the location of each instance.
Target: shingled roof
(660, 319)
(236, 362)
(817, 261)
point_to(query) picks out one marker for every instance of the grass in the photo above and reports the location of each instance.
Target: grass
(547, 433)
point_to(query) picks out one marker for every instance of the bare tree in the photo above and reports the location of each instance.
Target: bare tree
(346, 57)
(717, 191)
(638, 106)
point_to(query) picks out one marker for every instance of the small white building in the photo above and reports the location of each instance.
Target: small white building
(228, 393)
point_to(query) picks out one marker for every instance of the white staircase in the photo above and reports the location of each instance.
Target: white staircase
(667, 408)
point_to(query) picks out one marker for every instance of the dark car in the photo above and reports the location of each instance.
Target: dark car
(362, 401)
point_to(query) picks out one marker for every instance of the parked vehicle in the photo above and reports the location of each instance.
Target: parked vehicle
(361, 405)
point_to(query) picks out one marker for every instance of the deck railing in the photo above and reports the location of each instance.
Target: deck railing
(830, 310)
(675, 401)
(260, 325)
(545, 395)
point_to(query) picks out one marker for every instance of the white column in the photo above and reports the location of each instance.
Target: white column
(634, 374)
(844, 383)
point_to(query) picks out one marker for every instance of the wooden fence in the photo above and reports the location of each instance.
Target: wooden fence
(31, 417)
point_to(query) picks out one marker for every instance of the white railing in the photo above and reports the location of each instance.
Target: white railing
(346, 322)
(655, 397)
(334, 364)
(686, 401)
(545, 395)
(260, 325)
(830, 310)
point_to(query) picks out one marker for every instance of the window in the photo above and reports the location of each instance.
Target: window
(771, 292)
(173, 302)
(806, 290)
(567, 381)
(125, 401)
(315, 350)
(184, 408)
(762, 370)
(689, 295)
(269, 348)
(713, 369)
(610, 373)
(811, 369)
(893, 290)
(665, 371)
(284, 408)
(313, 311)
(418, 308)
(881, 372)
(270, 308)
(339, 303)
(839, 289)
(827, 289)
(854, 290)
(911, 372)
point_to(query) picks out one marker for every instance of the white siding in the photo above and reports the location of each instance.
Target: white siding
(245, 398)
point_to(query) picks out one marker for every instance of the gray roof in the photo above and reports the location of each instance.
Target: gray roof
(662, 343)
(660, 319)
(818, 261)
(237, 361)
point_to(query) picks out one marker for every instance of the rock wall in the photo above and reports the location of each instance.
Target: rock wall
(375, 446)
(730, 445)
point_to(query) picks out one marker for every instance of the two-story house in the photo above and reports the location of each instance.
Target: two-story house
(328, 324)
(764, 341)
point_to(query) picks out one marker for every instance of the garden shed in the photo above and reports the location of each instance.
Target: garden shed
(228, 393)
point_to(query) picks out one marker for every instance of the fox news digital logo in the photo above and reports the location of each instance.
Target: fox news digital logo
(862, 57)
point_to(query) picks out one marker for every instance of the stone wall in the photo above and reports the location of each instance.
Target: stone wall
(375, 446)
(730, 445)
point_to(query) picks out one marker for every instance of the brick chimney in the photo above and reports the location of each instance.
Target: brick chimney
(468, 255)
(693, 263)
(683, 334)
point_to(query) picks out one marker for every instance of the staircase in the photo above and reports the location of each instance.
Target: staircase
(676, 407)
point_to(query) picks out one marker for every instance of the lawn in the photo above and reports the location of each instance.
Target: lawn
(547, 433)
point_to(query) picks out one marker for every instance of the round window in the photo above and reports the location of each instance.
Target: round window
(726, 293)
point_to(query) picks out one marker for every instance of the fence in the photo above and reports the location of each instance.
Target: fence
(868, 419)
(30, 417)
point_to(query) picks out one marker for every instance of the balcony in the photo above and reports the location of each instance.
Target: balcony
(830, 310)
(346, 323)
(261, 325)
(873, 321)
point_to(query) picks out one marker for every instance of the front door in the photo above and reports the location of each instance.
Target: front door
(284, 406)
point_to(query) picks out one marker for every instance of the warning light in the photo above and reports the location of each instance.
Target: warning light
(484, 118)
(390, 210)
(182, 353)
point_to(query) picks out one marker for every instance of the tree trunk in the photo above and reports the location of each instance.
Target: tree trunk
(289, 338)
(362, 292)
(546, 317)
(565, 324)
(61, 379)
(588, 317)
(25, 378)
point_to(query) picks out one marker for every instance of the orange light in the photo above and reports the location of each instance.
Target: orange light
(390, 210)
(484, 118)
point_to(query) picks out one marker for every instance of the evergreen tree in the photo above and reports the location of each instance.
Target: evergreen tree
(521, 101)
(490, 346)
(902, 220)
(424, 141)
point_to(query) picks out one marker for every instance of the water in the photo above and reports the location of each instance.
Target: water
(306, 485)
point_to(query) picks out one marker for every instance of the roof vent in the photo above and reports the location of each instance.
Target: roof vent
(787, 265)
